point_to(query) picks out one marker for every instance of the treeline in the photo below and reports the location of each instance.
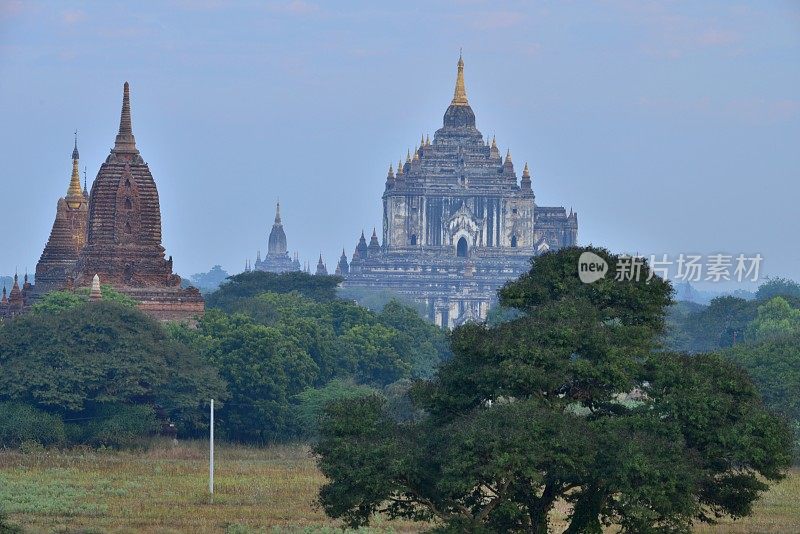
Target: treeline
(271, 349)
(761, 335)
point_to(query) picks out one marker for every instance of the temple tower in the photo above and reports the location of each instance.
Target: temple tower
(123, 242)
(67, 236)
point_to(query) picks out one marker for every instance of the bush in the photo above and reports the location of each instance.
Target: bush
(312, 402)
(115, 425)
(21, 423)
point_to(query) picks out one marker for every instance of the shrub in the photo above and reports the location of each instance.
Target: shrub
(21, 423)
(115, 425)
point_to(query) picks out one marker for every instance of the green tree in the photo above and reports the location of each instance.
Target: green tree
(251, 284)
(774, 365)
(775, 318)
(263, 369)
(77, 360)
(312, 402)
(569, 401)
(57, 301)
(778, 287)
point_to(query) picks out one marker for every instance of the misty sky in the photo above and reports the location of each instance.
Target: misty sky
(669, 126)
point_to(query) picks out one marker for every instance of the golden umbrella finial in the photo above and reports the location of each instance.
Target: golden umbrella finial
(460, 94)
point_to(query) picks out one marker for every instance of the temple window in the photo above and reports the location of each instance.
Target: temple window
(414, 239)
(513, 241)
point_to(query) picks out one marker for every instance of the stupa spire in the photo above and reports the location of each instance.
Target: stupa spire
(460, 94)
(125, 141)
(278, 213)
(74, 191)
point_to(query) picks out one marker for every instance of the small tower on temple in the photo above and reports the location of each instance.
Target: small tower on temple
(343, 267)
(525, 183)
(360, 253)
(321, 269)
(508, 166)
(4, 300)
(390, 178)
(374, 246)
(96, 293)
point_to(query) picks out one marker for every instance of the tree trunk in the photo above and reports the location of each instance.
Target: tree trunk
(586, 515)
(540, 508)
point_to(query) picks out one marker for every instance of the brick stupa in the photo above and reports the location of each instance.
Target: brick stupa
(67, 237)
(123, 241)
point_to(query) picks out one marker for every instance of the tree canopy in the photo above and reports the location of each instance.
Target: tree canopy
(250, 284)
(81, 357)
(571, 400)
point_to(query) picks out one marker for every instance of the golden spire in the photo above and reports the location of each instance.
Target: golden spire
(422, 141)
(391, 172)
(525, 172)
(427, 140)
(74, 191)
(508, 156)
(494, 142)
(460, 94)
(408, 156)
(399, 167)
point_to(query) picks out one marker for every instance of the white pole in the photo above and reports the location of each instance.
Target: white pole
(211, 452)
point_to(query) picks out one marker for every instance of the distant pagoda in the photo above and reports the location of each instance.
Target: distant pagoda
(277, 259)
(67, 237)
(123, 242)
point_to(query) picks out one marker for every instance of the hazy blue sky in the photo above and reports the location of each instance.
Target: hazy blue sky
(669, 126)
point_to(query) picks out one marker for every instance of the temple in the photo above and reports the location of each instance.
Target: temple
(68, 235)
(14, 303)
(457, 223)
(113, 236)
(277, 259)
(123, 239)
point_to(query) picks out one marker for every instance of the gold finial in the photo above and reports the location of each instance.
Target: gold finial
(408, 156)
(525, 172)
(74, 192)
(422, 140)
(427, 140)
(508, 156)
(460, 94)
(391, 172)
(399, 167)
(494, 142)
(416, 155)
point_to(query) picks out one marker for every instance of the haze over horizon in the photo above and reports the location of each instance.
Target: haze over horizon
(669, 127)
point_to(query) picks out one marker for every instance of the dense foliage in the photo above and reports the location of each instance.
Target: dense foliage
(774, 365)
(778, 287)
(572, 400)
(242, 286)
(280, 349)
(92, 361)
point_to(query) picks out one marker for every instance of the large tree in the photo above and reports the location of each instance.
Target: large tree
(79, 357)
(569, 401)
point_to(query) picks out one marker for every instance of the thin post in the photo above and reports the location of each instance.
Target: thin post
(211, 452)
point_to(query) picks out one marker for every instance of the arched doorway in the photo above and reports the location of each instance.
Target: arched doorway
(513, 241)
(461, 248)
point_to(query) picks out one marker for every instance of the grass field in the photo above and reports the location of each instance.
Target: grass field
(257, 490)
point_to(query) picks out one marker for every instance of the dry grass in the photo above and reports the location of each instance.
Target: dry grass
(164, 490)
